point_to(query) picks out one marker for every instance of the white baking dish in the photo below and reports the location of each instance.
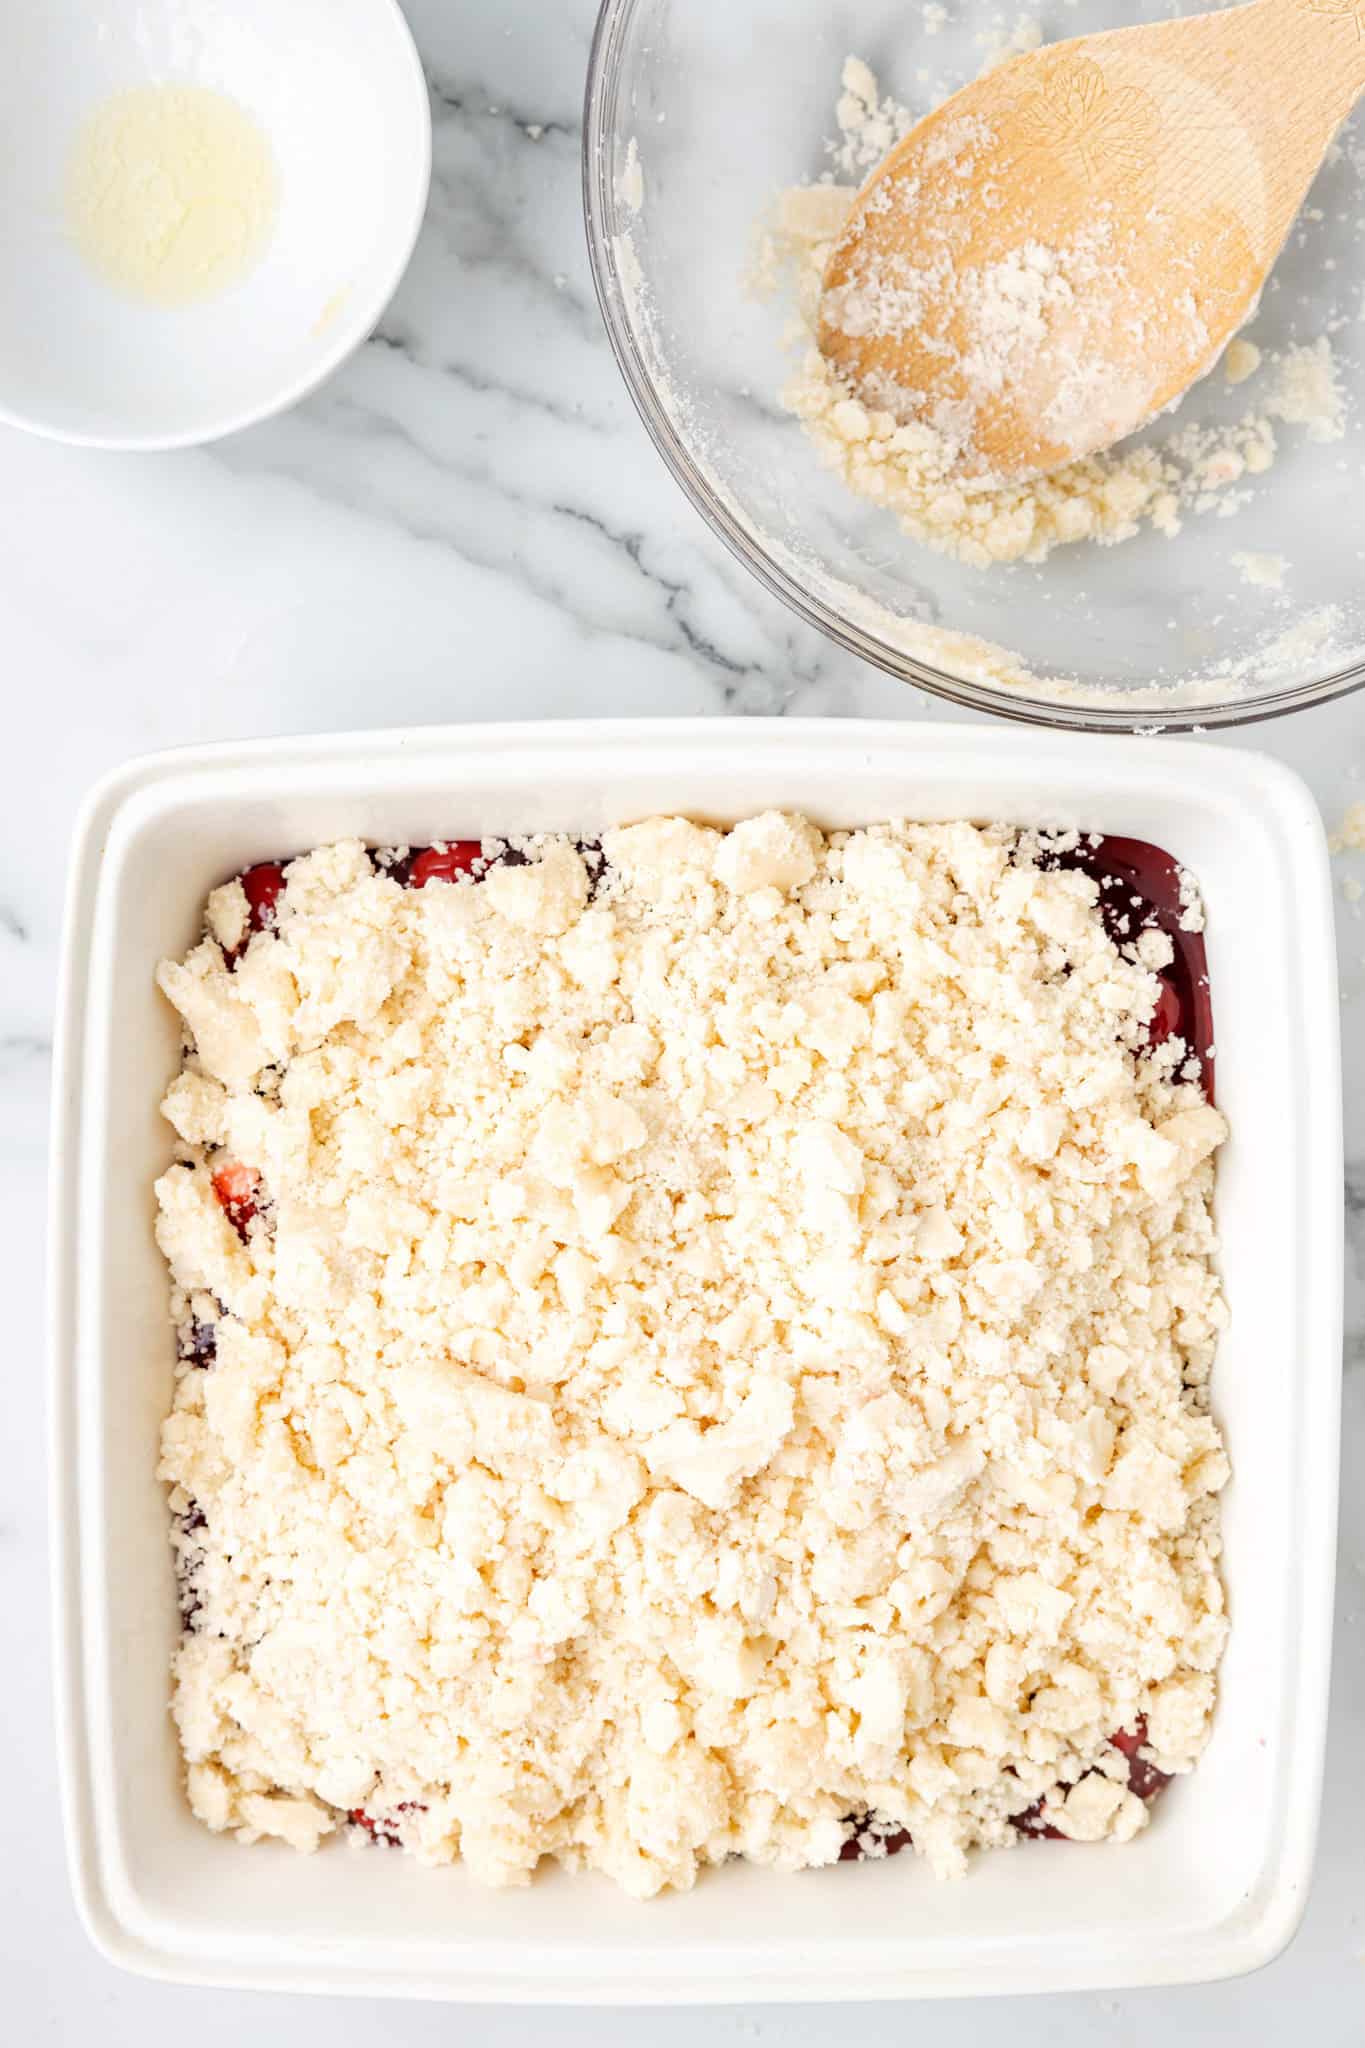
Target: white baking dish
(1215, 1886)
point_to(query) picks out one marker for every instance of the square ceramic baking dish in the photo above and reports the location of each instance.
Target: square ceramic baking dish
(1215, 1886)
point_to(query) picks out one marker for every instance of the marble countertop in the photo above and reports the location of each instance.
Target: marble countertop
(466, 523)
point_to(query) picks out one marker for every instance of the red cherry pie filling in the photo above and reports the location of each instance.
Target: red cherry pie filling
(238, 1190)
(383, 1827)
(1141, 888)
(444, 863)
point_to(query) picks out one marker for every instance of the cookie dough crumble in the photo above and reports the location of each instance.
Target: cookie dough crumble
(692, 1348)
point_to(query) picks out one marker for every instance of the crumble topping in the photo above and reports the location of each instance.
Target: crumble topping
(695, 1352)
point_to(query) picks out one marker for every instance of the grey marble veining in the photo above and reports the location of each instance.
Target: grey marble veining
(469, 522)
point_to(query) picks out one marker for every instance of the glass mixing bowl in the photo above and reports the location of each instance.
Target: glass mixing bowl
(699, 114)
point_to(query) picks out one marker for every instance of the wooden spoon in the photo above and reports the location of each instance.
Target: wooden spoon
(1063, 247)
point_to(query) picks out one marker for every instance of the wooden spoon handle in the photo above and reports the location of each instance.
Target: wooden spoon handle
(1237, 106)
(1297, 64)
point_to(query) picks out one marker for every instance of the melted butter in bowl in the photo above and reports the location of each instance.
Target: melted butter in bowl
(185, 188)
(172, 193)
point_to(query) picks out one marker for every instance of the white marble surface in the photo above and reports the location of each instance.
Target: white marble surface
(466, 523)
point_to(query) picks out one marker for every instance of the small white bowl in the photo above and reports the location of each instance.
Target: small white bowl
(1216, 1885)
(336, 86)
